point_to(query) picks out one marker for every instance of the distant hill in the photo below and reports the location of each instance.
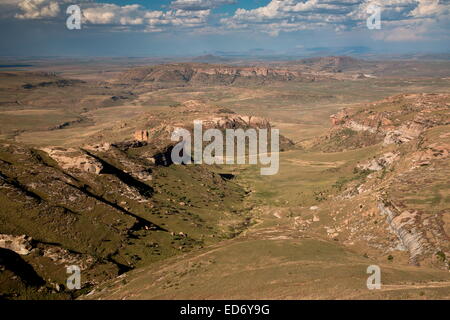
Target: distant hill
(332, 63)
(209, 58)
(182, 74)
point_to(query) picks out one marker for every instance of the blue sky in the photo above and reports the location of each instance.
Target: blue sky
(196, 27)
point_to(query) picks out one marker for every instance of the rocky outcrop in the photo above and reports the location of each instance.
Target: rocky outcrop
(99, 147)
(19, 244)
(403, 225)
(228, 121)
(74, 159)
(431, 152)
(236, 121)
(404, 133)
(141, 135)
(386, 118)
(379, 163)
(65, 257)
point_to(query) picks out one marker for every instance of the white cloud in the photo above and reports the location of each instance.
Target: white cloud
(114, 14)
(293, 15)
(38, 9)
(428, 8)
(111, 14)
(152, 21)
(401, 16)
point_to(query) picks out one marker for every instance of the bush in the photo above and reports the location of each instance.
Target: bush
(441, 256)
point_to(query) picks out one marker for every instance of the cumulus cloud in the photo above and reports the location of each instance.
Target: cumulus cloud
(114, 14)
(400, 16)
(38, 9)
(293, 15)
(136, 15)
(427, 8)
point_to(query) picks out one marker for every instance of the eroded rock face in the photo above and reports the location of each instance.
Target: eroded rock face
(236, 121)
(404, 225)
(102, 147)
(141, 135)
(165, 129)
(431, 152)
(379, 163)
(369, 122)
(422, 112)
(74, 159)
(19, 244)
(198, 73)
(404, 133)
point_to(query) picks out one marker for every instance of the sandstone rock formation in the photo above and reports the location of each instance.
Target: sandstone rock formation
(183, 73)
(236, 121)
(102, 147)
(74, 159)
(141, 135)
(420, 111)
(404, 225)
(19, 244)
(379, 163)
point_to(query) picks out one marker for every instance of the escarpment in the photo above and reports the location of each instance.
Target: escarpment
(203, 74)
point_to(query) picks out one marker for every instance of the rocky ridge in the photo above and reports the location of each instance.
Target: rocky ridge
(183, 74)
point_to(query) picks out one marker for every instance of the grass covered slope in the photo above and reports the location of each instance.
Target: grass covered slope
(109, 212)
(273, 262)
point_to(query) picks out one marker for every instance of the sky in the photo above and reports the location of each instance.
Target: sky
(147, 28)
